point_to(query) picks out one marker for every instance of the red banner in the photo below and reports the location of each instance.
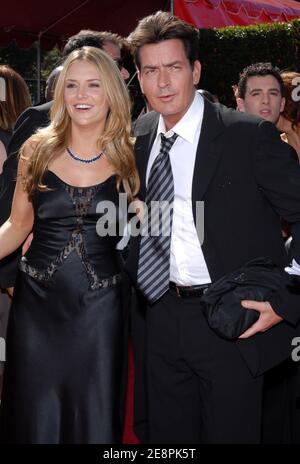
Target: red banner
(220, 13)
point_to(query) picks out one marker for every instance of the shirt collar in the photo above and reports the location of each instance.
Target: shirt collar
(189, 124)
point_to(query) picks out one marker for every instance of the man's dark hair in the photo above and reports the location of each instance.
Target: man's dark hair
(258, 69)
(92, 39)
(164, 26)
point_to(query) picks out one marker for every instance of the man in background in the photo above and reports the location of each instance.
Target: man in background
(260, 91)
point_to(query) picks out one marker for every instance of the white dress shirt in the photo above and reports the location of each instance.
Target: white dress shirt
(187, 263)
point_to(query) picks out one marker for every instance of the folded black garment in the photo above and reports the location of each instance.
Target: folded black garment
(257, 280)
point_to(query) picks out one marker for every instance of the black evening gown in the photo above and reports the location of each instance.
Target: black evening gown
(63, 374)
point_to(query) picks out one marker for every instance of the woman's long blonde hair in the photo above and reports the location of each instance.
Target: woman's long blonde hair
(116, 141)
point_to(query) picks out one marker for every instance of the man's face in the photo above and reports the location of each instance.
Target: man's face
(167, 79)
(114, 51)
(262, 98)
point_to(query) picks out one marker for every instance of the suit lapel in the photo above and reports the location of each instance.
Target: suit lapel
(208, 151)
(143, 148)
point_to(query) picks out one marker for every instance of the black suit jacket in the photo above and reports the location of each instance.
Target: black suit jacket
(248, 178)
(28, 122)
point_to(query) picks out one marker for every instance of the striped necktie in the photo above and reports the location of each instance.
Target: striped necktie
(154, 259)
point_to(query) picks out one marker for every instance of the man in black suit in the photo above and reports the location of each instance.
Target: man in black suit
(34, 118)
(260, 92)
(202, 388)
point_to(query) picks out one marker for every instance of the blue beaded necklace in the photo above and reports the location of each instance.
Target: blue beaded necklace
(83, 160)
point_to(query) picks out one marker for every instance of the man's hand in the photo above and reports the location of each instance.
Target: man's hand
(267, 317)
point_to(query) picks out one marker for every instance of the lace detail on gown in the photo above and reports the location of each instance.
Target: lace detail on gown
(81, 198)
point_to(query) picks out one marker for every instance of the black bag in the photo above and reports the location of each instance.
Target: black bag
(257, 280)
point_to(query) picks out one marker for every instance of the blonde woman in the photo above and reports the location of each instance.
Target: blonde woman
(63, 376)
(14, 99)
